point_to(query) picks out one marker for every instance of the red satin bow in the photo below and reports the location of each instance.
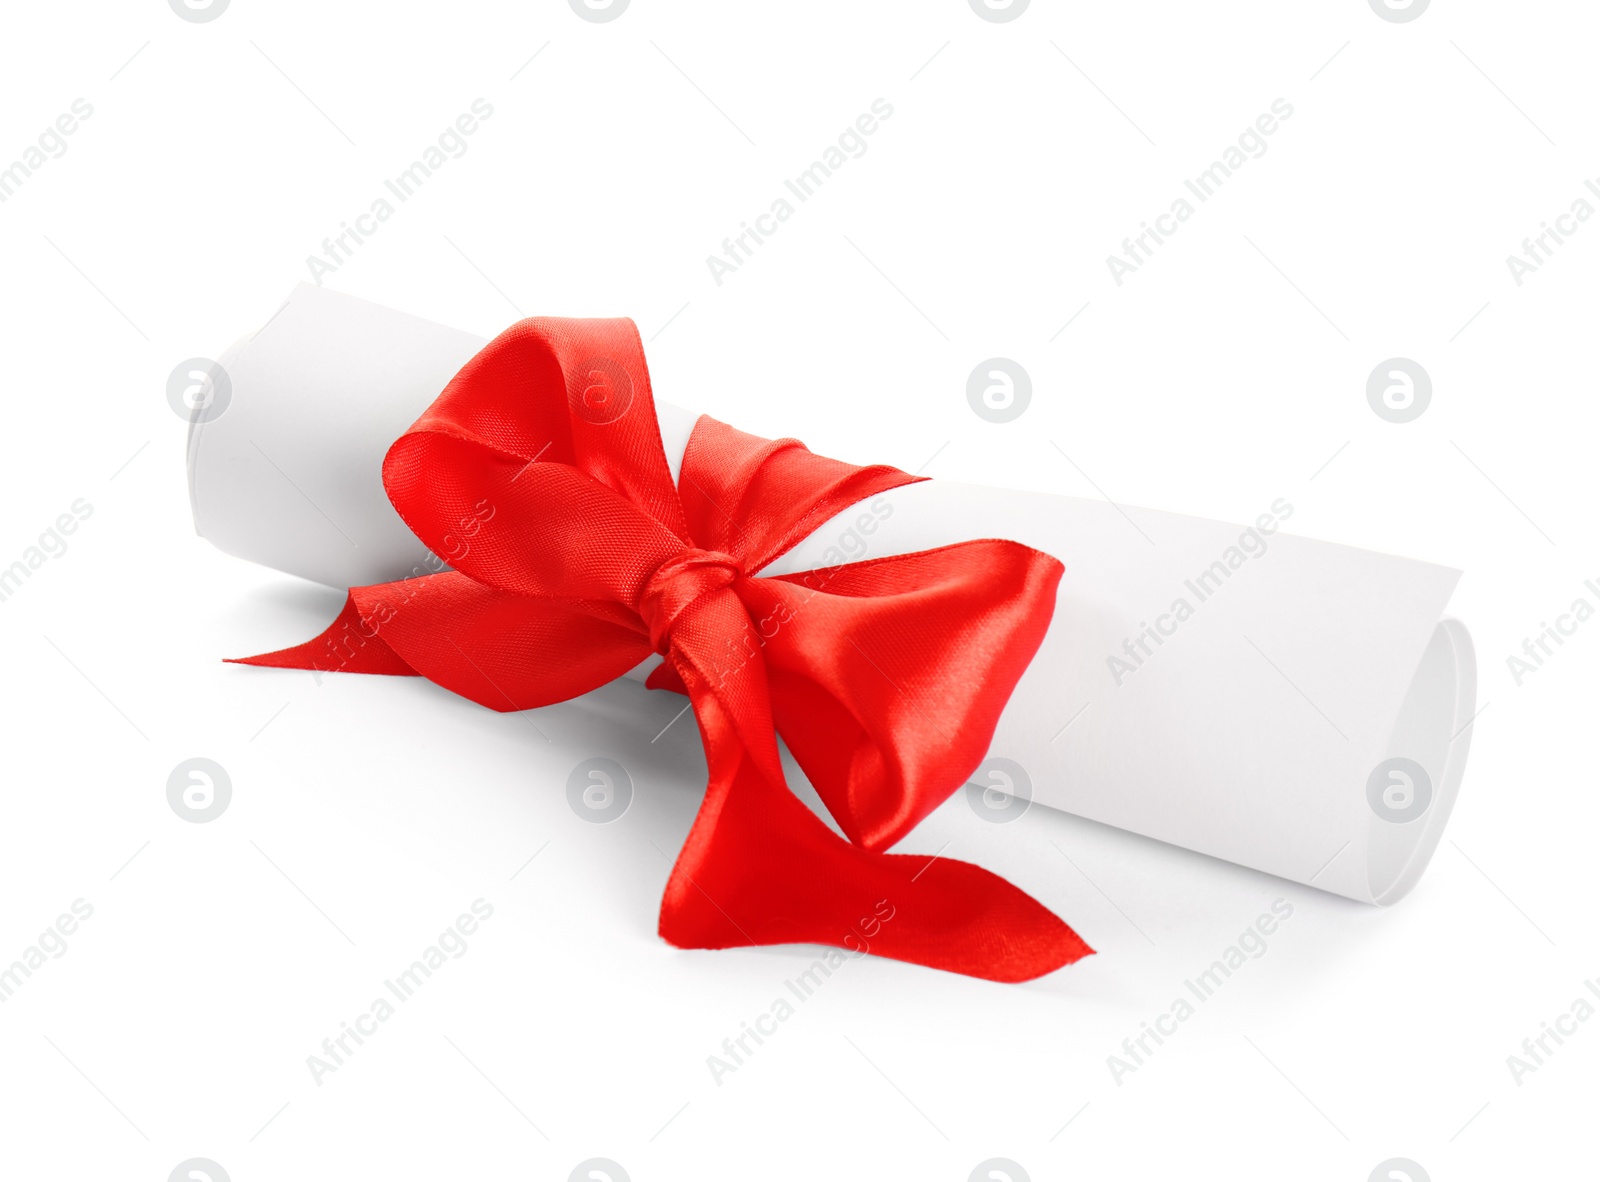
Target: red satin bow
(540, 474)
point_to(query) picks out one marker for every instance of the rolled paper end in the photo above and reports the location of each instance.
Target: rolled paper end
(1434, 729)
(285, 463)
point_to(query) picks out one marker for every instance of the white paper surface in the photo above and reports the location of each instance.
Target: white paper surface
(1227, 688)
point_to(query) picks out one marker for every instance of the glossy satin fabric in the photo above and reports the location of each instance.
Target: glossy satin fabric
(539, 475)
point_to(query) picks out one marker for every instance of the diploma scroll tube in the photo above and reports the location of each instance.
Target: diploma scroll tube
(1271, 700)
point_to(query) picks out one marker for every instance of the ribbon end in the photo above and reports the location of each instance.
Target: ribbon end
(348, 645)
(1067, 949)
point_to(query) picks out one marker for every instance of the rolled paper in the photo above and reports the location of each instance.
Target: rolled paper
(1295, 706)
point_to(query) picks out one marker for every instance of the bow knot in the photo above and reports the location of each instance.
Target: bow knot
(678, 585)
(886, 677)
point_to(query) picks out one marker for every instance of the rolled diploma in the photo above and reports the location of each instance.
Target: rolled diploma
(1246, 727)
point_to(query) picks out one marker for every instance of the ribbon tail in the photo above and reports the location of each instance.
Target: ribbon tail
(760, 868)
(504, 651)
(348, 645)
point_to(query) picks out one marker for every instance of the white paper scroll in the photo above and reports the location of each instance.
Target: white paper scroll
(1294, 706)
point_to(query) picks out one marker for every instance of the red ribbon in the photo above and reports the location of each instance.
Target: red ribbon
(540, 475)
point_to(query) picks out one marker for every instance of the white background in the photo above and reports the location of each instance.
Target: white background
(367, 813)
